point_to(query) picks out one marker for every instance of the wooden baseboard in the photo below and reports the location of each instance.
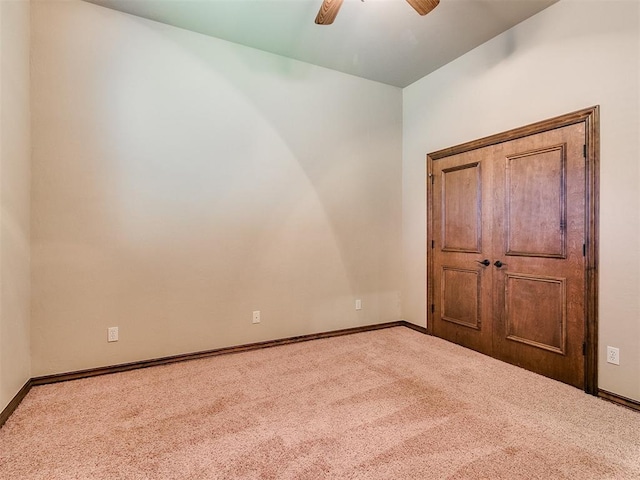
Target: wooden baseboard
(13, 404)
(124, 367)
(620, 400)
(93, 372)
(415, 327)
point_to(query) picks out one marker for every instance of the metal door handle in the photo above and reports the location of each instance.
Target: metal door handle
(499, 264)
(484, 262)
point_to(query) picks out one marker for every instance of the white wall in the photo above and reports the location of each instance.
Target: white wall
(15, 152)
(573, 55)
(181, 182)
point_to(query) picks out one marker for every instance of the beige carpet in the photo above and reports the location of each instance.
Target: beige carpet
(392, 404)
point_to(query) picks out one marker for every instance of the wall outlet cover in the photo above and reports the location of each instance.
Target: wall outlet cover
(112, 334)
(613, 355)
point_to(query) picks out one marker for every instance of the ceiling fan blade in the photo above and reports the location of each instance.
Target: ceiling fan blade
(328, 11)
(423, 6)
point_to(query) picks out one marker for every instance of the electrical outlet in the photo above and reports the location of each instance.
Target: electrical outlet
(613, 355)
(112, 335)
(358, 304)
(256, 316)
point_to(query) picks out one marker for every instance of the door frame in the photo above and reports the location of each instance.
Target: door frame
(591, 119)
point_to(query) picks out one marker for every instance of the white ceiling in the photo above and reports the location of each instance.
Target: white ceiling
(382, 40)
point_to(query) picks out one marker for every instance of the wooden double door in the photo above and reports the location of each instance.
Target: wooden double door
(507, 274)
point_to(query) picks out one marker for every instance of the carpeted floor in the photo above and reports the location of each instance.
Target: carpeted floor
(387, 404)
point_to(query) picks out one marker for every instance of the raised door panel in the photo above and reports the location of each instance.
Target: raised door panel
(536, 203)
(461, 209)
(535, 311)
(461, 297)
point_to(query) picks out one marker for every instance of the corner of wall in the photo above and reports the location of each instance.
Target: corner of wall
(15, 180)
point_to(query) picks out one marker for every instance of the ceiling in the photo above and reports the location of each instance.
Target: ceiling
(382, 40)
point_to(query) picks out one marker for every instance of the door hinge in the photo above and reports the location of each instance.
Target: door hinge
(433, 244)
(433, 308)
(584, 250)
(584, 348)
(584, 151)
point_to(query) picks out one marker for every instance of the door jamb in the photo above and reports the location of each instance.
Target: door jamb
(591, 118)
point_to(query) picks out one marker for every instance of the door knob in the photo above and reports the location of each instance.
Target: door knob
(484, 262)
(499, 264)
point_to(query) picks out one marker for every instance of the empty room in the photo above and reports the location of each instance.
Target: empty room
(378, 239)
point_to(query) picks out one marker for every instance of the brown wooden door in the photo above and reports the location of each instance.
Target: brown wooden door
(463, 285)
(520, 205)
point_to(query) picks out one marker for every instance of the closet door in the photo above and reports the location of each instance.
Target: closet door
(538, 235)
(508, 271)
(463, 274)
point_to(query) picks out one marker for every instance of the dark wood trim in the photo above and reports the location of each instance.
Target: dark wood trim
(430, 243)
(620, 400)
(415, 327)
(13, 404)
(592, 229)
(125, 367)
(591, 118)
(557, 122)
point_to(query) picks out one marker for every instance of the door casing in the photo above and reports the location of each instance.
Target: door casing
(591, 119)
